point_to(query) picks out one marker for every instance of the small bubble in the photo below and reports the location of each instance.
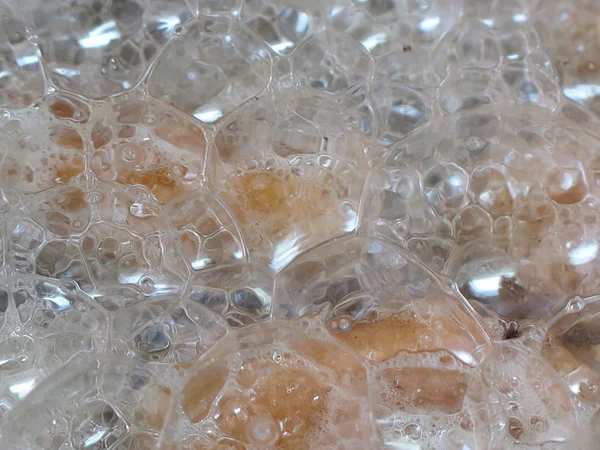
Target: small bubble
(326, 161)
(142, 211)
(345, 325)
(539, 424)
(587, 388)
(128, 154)
(93, 197)
(456, 438)
(178, 170)
(147, 285)
(575, 305)
(263, 430)
(5, 114)
(426, 341)
(494, 399)
(413, 431)
(71, 286)
(475, 144)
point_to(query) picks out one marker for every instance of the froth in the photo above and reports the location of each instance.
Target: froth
(282, 396)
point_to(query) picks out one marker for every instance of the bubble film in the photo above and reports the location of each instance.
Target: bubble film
(307, 224)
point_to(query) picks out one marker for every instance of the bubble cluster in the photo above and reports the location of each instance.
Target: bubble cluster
(276, 224)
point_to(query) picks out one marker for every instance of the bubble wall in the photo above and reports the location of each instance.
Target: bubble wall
(299, 224)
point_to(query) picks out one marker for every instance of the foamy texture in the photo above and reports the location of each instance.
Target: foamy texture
(299, 224)
(285, 206)
(276, 397)
(133, 142)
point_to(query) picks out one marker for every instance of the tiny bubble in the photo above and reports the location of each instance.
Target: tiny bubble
(475, 143)
(575, 305)
(128, 154)
(147, 285)
(93, 197)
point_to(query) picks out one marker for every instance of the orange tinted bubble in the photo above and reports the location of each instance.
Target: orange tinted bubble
(15, 173)
(422, 390)
(248, 372)
(70, 200)
(347, 369)
(550, 390)
(61, 168)
(277, 201)
(567, 186)
(159, 180)
(288, 407)
(201, 391)
(237, 416)
(62, 109)
(560, 358)
(67, 107)
(383, 339)
(10, 167)
(140, 163)
(289, 399)
(181, 135)
(67, 138)
(101, 136)
(65, 170)
(575, 354)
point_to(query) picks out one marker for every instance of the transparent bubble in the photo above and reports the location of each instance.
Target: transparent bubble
(230, 67)
(277, 224)
(100, 50)
(503, 216)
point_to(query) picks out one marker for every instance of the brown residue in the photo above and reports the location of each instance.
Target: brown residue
(277, 201)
